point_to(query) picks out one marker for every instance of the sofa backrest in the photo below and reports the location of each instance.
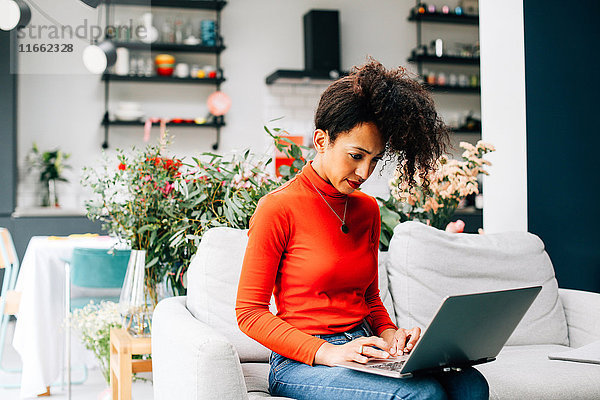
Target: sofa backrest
(426, 264)
(213, 278)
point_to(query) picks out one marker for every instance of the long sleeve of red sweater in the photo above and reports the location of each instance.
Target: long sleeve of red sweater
(323, 281)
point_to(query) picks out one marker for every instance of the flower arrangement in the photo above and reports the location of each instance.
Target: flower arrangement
(435, 197)
(94, 322)
(51, 166)
(162, 205)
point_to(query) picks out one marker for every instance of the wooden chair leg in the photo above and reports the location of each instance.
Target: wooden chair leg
(47, 393)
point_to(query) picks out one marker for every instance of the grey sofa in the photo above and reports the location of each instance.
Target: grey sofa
(199, 352)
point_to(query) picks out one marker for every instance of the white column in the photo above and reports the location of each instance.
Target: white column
(503, 114)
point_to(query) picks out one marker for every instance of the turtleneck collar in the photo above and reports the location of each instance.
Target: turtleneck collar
(308, 175)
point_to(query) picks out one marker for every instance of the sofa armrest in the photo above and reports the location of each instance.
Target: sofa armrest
(191, 360)
(581, 310)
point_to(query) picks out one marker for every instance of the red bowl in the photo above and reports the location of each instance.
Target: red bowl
(165, 71)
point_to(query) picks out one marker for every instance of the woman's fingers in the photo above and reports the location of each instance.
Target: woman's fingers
(367, 347)
(375, 353)
(360, 358)
(414, 334)
(398, 345)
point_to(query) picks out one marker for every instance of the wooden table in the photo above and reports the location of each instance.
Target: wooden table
(122, 367)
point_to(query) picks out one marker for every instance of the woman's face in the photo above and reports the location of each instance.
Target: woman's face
(351, 159)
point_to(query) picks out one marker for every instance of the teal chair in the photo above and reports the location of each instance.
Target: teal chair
(91, 268)
(9, 298)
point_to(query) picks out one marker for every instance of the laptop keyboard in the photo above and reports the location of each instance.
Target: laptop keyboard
(391, 366)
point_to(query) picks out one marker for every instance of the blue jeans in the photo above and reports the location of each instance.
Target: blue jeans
(296, 380)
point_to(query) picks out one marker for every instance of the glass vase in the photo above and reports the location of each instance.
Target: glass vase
(135, 304)
(49, 195)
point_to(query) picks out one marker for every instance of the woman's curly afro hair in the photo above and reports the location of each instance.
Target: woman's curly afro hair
(400, 107)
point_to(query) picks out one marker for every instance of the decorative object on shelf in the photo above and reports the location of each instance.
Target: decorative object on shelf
(470, 6)
(14, 14)
(456, 15)
(150, 32)
(129, 111)
(93, 323)
(449, 183)
(122, 63)
(182, 70)
(165, 64)
(97, 58)
(50, 165)
(208, 32)
(148, 125)
(218, 103)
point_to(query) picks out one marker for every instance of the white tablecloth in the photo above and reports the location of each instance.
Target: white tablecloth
(39, 331)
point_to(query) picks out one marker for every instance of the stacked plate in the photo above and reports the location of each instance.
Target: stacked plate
(129, 111)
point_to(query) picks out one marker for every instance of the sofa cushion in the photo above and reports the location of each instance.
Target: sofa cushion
(213, 278)
(426, 264)
(384, 292)
(525, 372)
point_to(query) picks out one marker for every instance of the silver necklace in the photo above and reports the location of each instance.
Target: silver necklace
(344, 227)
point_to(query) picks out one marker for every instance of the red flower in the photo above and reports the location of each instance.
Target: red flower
(122, 167)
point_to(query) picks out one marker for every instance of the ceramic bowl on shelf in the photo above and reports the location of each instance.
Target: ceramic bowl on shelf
(129, 106)
(123, 115)
(165, 64)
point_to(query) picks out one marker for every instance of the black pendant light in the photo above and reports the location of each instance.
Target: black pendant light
(98, 57)
(14, 14)
(92, 3)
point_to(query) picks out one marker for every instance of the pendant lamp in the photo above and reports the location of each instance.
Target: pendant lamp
(92, 3)
(14, 14)
(98, 57)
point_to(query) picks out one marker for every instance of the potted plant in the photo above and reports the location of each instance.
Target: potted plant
(50, 165)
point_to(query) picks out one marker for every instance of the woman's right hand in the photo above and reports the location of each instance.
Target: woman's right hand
(359, 350)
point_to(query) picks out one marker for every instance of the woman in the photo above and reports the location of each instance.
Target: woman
(313, 244)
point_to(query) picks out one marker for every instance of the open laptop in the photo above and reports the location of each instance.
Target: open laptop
(467, 329)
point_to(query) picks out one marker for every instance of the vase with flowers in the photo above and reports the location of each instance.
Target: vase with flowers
(160, 205)
(435, 197)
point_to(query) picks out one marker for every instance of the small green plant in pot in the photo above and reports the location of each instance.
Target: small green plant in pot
(51, 165)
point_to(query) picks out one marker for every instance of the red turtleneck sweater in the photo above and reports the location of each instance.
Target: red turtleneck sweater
(324, 281)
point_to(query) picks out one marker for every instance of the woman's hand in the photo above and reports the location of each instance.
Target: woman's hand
(359, 350)
(401, 341)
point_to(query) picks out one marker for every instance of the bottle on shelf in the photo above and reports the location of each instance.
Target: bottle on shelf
(167, 31)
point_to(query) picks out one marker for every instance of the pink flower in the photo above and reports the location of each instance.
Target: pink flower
(147, 178)
(456, 227)
(168, 188)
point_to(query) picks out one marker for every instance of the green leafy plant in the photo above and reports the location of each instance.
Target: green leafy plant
(299, 154)
(50, 165)
(162, 205)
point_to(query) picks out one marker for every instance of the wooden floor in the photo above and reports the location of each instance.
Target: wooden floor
(90, 390)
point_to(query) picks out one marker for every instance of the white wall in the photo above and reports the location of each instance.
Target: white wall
(63, 106)
(503, 114)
